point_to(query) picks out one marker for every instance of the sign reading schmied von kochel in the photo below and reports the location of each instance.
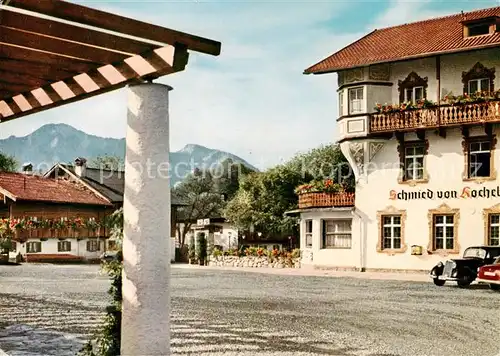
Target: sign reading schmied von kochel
(464, 193)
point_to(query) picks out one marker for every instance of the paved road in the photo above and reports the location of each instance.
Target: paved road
(233, 313)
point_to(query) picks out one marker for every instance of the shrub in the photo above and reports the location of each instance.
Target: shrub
(217, 252)
(202, 247)
(192, 250)
(107, 340)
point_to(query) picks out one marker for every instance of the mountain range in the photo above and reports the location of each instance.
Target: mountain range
(63, 143)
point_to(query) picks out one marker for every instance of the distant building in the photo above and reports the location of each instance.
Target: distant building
(30, 201)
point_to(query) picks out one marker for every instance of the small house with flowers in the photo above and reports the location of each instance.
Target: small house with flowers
(51, 219)
(418, 119)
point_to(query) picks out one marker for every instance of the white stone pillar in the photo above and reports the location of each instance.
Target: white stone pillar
(146, 210)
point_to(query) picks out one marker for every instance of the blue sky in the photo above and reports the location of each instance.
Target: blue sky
(252, 100)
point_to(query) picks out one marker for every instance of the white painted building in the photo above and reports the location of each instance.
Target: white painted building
(426, 179)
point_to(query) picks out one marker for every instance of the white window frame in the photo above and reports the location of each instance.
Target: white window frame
(33, 243)
(478, 81)
(444, 225)
(357, 102)
(413, 94)
(392, 225)
(308, 234)
(335, 234)
(473, 166)
(89, 244)
(341, 103)
(491, 225)
(63, 243)
(414, 162)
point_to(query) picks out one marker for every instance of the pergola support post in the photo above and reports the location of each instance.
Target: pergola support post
(146, 251)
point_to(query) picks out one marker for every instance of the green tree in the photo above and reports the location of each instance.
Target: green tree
(198, 191)
(263, 198)
(111, 162)
(227, 176)
(8, 163)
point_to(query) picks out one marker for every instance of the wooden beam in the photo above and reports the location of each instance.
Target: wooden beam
(47, 59)
(70, 32)
(59, 47)
(48, 73)
(14, 88)
(16, 78)
(442, 132)
(104, 20)
(421, 134)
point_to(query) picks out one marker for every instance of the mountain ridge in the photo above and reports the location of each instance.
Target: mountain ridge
(62, 143)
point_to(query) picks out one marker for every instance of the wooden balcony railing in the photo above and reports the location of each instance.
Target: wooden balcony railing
(82, 233)
(322, 200)
(442, 116)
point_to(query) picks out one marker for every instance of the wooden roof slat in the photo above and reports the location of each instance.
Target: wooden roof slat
(48, 73)
(47, 59)
(72, 33)
(104, 20)
(32, 100)
(57, 99)
(13, 106)
(60, 47)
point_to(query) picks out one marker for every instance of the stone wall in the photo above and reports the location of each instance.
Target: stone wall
(254, 261)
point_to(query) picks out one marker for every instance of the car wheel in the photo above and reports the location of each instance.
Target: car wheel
(438, 282)
(495, 287)
(465, 281)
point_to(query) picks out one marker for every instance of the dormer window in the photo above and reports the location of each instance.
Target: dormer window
(480, 27)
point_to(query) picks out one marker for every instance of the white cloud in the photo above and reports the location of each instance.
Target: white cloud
(252, 100)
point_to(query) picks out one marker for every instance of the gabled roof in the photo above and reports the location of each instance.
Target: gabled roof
(110, 184)
(414, 40)
(18, 186)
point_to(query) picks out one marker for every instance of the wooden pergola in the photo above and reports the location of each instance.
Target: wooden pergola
(54, 52)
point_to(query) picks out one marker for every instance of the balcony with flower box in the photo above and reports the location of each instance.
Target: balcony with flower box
(324, 194)
(480, 108)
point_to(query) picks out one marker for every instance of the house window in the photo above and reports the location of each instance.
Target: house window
(64, 246)
(33, 247)
(479, 78)
(479, 156)
(341, 103)
(444, 232)
(414, 161)
(494, 230)
(93, 246)
(391, 232)
(478, 29)
(309, 235)
(478, 85)
(336, 233)
(413, 94)
(356, 100)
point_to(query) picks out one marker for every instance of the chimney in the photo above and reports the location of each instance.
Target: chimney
(80, 166)
(27, 168)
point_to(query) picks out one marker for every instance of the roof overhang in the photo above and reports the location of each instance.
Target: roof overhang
(409, 58)
(54, 52)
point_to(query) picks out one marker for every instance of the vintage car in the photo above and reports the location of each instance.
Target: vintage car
(464, 270)
(490, 274)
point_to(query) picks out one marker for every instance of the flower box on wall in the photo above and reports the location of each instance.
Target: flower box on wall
(320, 200)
